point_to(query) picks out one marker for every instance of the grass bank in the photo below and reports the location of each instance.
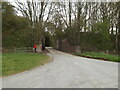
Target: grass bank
(13, 63)
(99, 55)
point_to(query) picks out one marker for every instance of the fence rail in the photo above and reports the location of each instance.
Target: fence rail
(23, 49)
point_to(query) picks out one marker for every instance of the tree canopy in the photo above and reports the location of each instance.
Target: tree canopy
(85, 25)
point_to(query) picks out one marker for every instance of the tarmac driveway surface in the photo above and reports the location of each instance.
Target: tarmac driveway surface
(67, 71)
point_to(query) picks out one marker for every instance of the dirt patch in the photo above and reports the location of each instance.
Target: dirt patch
(45, 51)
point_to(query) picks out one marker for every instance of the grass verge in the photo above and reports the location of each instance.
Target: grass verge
(13, 63)
(99, 55)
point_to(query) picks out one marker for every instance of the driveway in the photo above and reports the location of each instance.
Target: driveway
(67, 71)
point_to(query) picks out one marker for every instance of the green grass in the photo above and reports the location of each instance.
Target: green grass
(13, 63)
(109, 57)
(0, 64)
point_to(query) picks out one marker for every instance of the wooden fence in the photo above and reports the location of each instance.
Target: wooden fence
(23, 49)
